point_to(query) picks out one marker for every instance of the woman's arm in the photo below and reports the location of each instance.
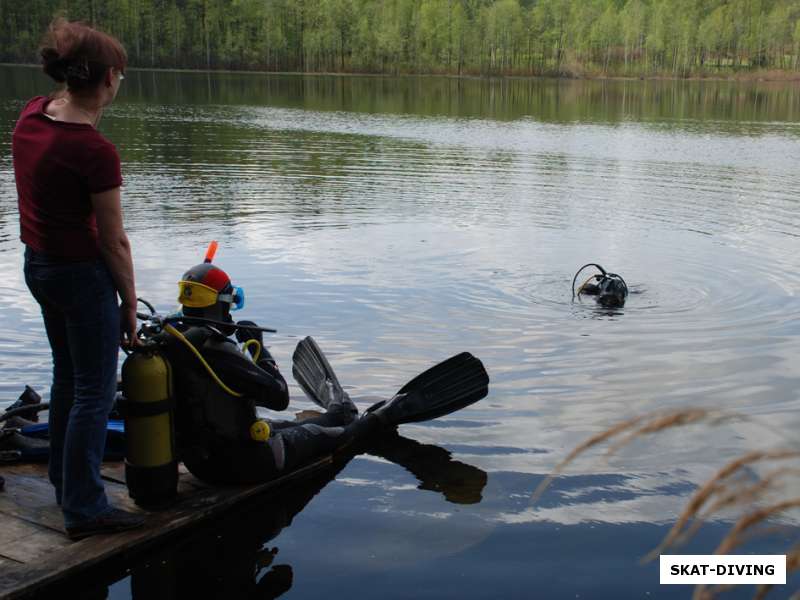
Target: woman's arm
(115, 248)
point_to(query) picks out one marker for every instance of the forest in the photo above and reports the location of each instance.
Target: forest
(570, 38)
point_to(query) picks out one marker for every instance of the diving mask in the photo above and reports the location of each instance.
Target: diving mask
(198, 295)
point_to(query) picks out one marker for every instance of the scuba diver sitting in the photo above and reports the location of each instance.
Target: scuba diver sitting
(217, 387)
(219, 435)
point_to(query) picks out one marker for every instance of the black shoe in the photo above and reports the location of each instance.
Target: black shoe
(109, 522)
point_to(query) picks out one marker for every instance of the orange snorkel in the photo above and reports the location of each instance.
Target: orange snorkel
(212, 250)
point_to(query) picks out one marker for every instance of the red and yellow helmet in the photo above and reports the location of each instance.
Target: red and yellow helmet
(206, 291)
(203, 286)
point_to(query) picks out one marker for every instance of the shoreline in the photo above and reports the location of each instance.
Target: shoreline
(769, 76)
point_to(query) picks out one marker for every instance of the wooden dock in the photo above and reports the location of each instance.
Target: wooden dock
(35, 551)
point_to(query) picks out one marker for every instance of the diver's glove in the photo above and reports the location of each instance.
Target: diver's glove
(245, 335)
(265, 360)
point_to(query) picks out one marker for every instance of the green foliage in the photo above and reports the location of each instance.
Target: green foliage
(531, 37)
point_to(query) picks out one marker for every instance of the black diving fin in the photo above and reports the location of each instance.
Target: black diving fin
(457, 382)
(451, 385)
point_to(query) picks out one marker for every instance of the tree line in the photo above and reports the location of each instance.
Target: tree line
(480, 37)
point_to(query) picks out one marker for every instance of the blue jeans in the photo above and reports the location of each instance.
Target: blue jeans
(81, 316)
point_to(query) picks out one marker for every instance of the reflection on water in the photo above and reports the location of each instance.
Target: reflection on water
(686, 104)
(243, 564)
(322, 538)
(400, 221)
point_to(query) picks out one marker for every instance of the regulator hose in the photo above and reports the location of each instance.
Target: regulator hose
(179, 336)
(574, 279)
(604, 275)
(257, 353)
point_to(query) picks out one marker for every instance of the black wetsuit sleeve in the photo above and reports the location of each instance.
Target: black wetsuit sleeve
(266, 386)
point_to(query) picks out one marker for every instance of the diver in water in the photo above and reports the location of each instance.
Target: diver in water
(220, 437)
(609, 289)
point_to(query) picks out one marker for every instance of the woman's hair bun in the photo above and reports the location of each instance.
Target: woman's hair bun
(78, 70)
(79, 54)
(54, 65)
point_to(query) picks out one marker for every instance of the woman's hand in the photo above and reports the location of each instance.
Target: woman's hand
(128, 326)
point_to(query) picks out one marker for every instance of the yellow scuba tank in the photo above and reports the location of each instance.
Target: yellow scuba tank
(151, 467)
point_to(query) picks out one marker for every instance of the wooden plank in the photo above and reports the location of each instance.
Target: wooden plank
(191, 480)
(113, 471)
(192, 507)
(30, 497)
(23, 542)
(38, 469)
(118, 496)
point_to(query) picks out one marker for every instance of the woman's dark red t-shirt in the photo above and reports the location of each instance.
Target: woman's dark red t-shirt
(58, 166)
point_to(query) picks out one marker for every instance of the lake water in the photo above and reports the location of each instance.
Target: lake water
(402, 220)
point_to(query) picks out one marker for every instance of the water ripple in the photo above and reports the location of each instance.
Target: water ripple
(398, 240)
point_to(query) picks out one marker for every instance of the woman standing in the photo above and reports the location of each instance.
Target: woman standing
(77, 259)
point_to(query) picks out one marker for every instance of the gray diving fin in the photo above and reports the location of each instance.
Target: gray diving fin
(314, 373)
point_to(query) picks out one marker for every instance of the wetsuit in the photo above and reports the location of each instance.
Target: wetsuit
(213, 427)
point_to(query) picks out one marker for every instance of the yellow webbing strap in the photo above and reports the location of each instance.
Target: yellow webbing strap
(177, 334)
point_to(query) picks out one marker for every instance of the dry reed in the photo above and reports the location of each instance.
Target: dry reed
(672, 419)
(734, 537)
(701, 592)
(792, 564)
(636, 427)
(712, 487)
(737, 497)
(728, 488)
